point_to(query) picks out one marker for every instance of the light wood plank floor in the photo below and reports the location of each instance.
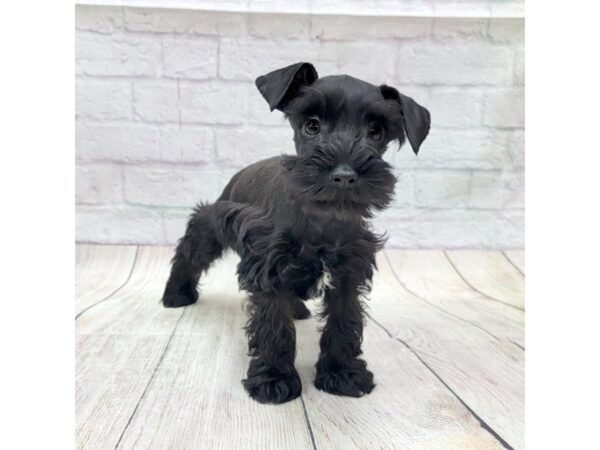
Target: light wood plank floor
(444, 337)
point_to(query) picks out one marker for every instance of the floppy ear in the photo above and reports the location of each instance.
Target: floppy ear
(416, 119)
(282, 85)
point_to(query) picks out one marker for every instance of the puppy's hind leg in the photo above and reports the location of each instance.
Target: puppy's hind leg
(211, 228)
(196, 250)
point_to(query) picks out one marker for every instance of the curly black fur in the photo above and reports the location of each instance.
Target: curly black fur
(292, 225)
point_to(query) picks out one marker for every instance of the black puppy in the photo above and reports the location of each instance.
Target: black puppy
(297, 221)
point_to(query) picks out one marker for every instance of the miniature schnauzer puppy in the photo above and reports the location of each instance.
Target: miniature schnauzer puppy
(298, 219)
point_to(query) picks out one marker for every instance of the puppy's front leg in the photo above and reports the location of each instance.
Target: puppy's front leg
(339, 371)
(272, 377)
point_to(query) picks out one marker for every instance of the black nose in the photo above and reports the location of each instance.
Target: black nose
(343, 176)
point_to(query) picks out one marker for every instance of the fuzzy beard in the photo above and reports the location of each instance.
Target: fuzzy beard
(309, 174)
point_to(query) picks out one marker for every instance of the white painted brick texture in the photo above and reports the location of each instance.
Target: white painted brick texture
(167, 111)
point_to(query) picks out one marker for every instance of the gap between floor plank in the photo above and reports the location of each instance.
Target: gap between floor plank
(87, 308)
(397, 278)
(310, 431)
(512, 263)
(160, 360)
(475, 289)
(482, 422)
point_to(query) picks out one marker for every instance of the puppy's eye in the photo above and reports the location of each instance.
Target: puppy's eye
(312, 127)
(375, 131)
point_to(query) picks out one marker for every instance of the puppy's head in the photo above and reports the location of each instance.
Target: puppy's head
(342, 127)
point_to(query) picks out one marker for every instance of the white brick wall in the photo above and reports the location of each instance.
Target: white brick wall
(166, 112)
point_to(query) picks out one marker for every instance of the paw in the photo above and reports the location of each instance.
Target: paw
(300, 311)
(352, 381)
(268, 385)
(178, 299)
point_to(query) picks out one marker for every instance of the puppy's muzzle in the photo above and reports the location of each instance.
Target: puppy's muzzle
(343, 176)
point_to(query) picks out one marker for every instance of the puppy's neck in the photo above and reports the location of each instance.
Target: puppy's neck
(325, 213)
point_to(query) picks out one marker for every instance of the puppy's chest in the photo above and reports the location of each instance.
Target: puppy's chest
(314, 279)
(313, 261)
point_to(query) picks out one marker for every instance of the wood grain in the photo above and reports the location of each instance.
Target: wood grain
(429, 275)
(487, 374)
(490, 273)
(99, 271)
(408, 409)
(119, 345)
(136, 308)
(149, 377)
(112, 372)
(517, 258)
(196, 399)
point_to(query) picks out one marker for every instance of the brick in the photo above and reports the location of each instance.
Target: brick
(497, 190)
(509, 231)
(156, 101)
(279, 26)
(101, 19)
(520, 66)
(190, 57)
(435, 229)
(186, 145)
(116, 143)
(248, 59)
(280, 6)
(359, 58)
(457, 149)
(214, 102)
(507, 30)
(175, 222)
(117, 55)
(504, 108)
(456, 107)
(516, 148)
(459, 28)
(508, 8)
(172, 187)
(516, 196)
(333, 7)
(210, 23)
(454, 63)
(240, 147)
(103, 100)
(442, 189)
(347, 28)
(461, 8)
(98, 184)
(406, 8)
(123, 225)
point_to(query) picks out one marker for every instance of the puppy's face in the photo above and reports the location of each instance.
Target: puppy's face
(342, 127)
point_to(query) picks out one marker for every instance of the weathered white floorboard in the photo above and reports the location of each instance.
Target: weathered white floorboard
(112, 372)
(196, 399)
(149, 377)
(196, 395)
(490, 273)
(136, 308)
(430, 276)
(120, 342)
(485, 373)
(408, 409)
(99, 271)
(517, 258)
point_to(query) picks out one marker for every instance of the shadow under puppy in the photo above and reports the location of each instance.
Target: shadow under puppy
(298, 220)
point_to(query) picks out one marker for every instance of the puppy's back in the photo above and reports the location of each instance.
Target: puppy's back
(255, 184)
